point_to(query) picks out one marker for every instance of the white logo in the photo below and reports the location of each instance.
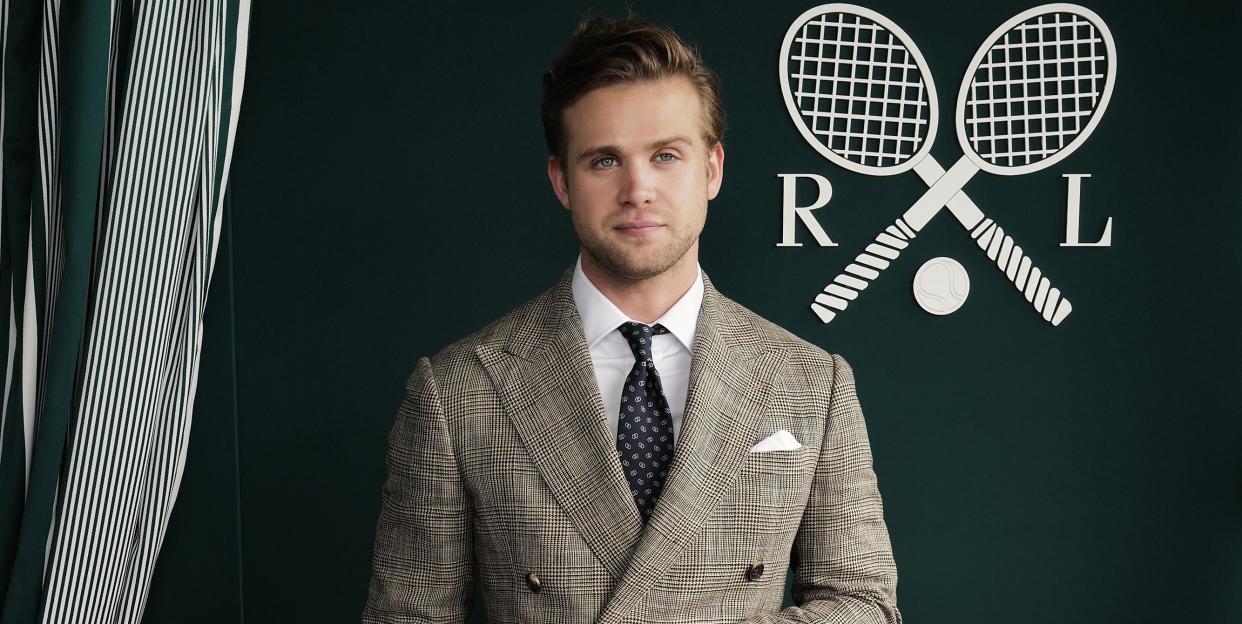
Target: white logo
(861, 94)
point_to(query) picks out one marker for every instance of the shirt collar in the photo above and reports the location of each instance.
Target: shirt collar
(600, 316)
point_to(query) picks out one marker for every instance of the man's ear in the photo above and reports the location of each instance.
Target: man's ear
(560, 182)
(715, 170)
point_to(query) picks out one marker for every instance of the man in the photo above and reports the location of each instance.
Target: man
(632, 446)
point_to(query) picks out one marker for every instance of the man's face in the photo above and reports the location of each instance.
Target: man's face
(638, 175)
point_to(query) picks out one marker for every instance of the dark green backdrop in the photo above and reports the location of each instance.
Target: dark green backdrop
(388, 197)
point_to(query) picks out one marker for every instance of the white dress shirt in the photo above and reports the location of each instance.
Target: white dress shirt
(611, 355)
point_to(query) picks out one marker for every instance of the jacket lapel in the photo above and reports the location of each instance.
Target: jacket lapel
(545, 379)
(731, 374)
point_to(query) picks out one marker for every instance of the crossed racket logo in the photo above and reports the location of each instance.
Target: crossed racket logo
(861, 94)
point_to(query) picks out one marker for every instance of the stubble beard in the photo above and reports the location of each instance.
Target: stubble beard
(635, 265)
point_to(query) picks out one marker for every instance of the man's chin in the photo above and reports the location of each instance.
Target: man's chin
(635, 268)
(639, 273)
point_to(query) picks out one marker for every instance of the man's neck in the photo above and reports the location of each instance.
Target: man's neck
(648, 299)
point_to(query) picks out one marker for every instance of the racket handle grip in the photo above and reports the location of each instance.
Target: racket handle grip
(1018, 267)
(865, 268)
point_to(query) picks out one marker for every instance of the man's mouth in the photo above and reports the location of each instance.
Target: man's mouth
(638, 228)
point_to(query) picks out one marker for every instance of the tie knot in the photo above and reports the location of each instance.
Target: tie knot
(639, 337)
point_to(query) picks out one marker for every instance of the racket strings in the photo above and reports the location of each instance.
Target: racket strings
(1036, 89)
(858, 90)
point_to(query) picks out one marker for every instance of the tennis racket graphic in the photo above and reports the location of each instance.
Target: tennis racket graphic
(860, 92)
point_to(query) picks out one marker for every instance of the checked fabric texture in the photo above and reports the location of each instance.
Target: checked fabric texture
(645, 427)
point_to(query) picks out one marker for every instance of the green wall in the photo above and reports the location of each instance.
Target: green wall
(388, 197)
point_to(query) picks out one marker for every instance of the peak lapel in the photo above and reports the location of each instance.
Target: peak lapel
(731, 374)
(546, 381)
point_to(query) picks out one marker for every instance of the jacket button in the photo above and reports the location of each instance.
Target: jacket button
(532, 581)
(754, 572)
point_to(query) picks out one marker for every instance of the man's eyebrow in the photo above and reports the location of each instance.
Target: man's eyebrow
(669, 141)
(591, 152)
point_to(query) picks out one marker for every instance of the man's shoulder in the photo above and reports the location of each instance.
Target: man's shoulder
(495, 334)
(809, 369)
(773, 336)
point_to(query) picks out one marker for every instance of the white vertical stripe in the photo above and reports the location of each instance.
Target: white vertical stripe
(30, 355)
(49, 134)
(239, 82)
(9, 359)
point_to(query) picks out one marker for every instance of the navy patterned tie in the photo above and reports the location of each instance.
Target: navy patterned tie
(645, 426)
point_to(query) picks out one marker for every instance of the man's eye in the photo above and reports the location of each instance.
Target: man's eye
(665, 157)
(606, 162)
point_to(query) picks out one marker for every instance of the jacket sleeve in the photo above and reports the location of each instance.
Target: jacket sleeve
(421, 570)
(843, 562)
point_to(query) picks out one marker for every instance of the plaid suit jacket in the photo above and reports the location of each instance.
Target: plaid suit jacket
(501, 469)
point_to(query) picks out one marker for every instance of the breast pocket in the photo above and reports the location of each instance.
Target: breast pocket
(766, 504)
(790, 462)
(775, 484)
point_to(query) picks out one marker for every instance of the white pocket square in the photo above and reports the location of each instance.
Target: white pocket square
(780, 441)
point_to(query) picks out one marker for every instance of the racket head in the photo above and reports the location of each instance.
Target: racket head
(1017, 114)
(879, 116)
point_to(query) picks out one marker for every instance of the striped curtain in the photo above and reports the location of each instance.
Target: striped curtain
(116, 124)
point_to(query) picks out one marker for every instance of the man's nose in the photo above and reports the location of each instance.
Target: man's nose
(638, 187)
